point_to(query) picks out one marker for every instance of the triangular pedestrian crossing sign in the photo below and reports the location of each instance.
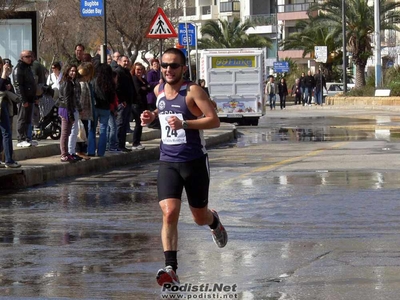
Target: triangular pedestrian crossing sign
(160, 27)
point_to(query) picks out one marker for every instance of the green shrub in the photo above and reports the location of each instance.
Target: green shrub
(394, 87)
(366, 91)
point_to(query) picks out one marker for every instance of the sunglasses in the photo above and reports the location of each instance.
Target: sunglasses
(172, 65)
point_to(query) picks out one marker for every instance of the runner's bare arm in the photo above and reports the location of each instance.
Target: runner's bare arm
(199, 104)
(148, 116)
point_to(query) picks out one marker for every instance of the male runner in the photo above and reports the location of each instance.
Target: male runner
(183, 109)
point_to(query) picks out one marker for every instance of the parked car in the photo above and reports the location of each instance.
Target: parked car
(337, 87)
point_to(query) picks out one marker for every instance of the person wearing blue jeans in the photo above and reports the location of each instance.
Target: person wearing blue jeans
(104, 94)
(5, 121)
(271, 89)
(101, 116)
(112, 138)
(6, 136)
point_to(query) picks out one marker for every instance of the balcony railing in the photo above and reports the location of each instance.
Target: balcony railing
(261, 20)
(296, 7)
(233, 6)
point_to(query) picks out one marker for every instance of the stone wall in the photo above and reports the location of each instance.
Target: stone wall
(366, 101)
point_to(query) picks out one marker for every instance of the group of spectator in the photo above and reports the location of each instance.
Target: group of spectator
(303, 89)
(310, 85)
(93, 98)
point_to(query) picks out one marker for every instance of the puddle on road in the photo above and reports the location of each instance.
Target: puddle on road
(323, 134)
(322, 129)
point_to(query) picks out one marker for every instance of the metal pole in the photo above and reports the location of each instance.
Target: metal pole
(197, 55)
(187, 41)
(344, 45)
(378, 66)
(103, 59)
(277, 32)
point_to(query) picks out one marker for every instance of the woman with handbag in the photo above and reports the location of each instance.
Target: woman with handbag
(67, 108)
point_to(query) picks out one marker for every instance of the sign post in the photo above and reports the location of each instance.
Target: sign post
(160, 28)
(321, 53)
(97, 9)
(187, 36)
(281, 67)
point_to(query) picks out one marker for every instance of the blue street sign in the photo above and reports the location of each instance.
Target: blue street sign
(191, 34)
(92, 8)
(184, 51)
(281, 67)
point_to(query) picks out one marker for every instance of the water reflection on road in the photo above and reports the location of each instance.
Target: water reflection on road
(300, 224)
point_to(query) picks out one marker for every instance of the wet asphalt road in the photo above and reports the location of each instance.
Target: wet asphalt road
(309, 198)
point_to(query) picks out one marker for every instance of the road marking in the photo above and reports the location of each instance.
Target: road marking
(290, 160)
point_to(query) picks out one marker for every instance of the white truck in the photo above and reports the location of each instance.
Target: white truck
(236, 80)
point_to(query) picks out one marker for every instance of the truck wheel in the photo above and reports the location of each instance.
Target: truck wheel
(254, 121)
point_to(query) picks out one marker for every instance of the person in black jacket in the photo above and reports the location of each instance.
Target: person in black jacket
(310, 85)
(142, 88)
(103, 94)
(25, 88)
(126, 95)
(6, 109)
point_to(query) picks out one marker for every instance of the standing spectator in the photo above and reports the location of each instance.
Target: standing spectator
(86, 71)
(6, 104)
(109, 59)
(202, 83)
(53, 80)
(25, 88)
(142, 88)
(73, 137)
(115, 58)
(310, 84)
(39, 73)
(153, 78)
(303, 87)
(103, 94)
(296, 91)
(67, 108)
(112, 132)
(14, 110)
(78, 56)
(320, 84)
(283, 92)
(270, 90)
(126, 94)
(86, 57)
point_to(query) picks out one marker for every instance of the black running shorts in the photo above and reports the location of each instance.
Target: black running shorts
(193, 175)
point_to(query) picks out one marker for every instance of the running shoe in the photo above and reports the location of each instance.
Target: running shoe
(219, 235)
(167, 275)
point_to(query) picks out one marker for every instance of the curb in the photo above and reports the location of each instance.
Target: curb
(46, 167)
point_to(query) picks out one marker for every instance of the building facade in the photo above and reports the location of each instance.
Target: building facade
(275, 19)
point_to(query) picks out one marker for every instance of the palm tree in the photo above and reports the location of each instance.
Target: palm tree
(312, 33)
(224, 34)
(359, 27)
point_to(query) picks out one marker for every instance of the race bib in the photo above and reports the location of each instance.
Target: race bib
(169, 136)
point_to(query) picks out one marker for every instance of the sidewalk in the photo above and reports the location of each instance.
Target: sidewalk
(42, 164)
